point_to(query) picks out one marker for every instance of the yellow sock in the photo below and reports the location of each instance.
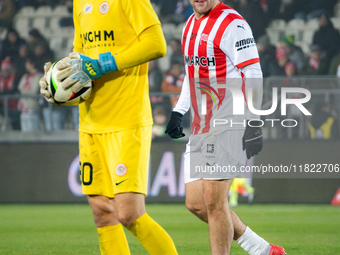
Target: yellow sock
(112, 240)
(152, 236)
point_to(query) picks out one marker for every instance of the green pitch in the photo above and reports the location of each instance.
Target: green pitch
(69, 229)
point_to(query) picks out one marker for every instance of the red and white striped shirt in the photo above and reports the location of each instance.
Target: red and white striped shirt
(215, 48)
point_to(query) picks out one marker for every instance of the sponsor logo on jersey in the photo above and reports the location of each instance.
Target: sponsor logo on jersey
(121, 169)
(96, 39)
(104, 8)
(244, 44)
(88, 8)
(202, 61)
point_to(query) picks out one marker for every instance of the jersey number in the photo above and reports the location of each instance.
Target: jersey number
(88, 169)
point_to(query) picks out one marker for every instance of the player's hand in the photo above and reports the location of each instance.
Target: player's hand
(252, 140)
(79, 69)
(174, 128)
(43, 86)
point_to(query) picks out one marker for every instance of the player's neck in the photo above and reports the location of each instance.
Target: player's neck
(199, 15)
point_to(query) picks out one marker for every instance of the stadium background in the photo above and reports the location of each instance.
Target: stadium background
(40, 166)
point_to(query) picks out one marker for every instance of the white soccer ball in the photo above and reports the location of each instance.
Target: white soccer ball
(65, 97)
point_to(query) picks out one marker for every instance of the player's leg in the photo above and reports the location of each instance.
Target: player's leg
(130, 173)
(221, 229)
(249, 240)
(132, 214)
(96, 179)
(194, 199)
(195, 204)
(112, 239)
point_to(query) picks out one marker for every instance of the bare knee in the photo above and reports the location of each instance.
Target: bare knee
(197, 208)
(103, 210)
(126, 218)
(130, 206)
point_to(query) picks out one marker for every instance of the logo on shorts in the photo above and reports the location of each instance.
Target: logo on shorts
(210, 148)
(104, 8)
(88, 8)
(121, 169)
(117, 183)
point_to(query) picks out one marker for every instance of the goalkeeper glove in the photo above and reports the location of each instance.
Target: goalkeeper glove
(252, 140)
(43, 86)
(80, 69)
(174, 128)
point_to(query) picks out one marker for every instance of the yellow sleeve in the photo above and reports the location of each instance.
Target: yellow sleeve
(77, 43)
(151, 46)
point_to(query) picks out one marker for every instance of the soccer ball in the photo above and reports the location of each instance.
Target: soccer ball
(65, 97)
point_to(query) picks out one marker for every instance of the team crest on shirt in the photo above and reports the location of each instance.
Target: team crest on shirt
(88, 8)
(121, 169)
(104, 7)
(204, 38)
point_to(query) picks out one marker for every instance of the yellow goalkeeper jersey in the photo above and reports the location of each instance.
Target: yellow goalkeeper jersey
(119, 100)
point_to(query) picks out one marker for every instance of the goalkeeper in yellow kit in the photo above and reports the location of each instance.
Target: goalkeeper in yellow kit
(114, 40)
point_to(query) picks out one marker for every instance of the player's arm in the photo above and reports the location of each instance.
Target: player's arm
(254, 80)
(78, 69)
(174, 128)
(151, 46)
(252, 139)
(239, 45)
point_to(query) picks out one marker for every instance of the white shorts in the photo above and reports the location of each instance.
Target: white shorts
(214, 156)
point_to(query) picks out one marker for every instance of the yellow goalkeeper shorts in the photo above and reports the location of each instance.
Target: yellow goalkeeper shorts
(117, 162)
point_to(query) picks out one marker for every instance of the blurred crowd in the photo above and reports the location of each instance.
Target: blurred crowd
(22, 59)
(288, 59)
(21, 64)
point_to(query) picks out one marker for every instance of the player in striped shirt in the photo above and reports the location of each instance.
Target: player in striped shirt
(219, 52)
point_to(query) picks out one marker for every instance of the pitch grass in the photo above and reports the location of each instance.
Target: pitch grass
(69, 229)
